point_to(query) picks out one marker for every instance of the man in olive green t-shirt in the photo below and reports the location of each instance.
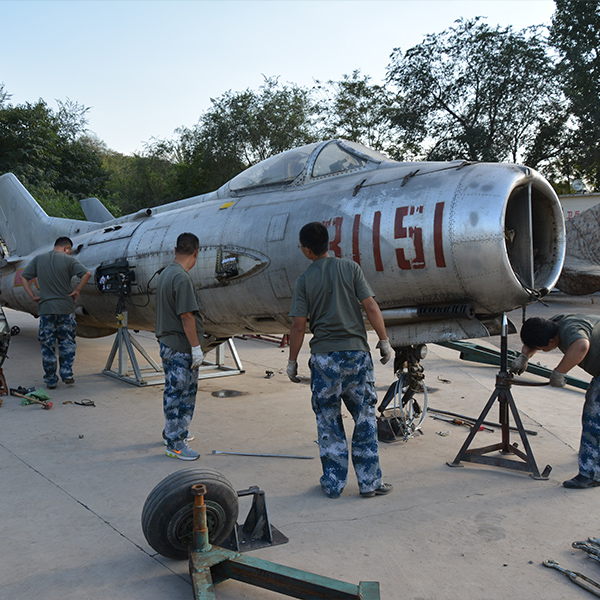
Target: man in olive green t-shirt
(54, 271)
(578, 338)
(179, 329)
(329, 295)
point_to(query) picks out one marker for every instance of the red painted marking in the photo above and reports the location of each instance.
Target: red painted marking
(438, 244)
(400, 232)
(377, 241)
(355, 232)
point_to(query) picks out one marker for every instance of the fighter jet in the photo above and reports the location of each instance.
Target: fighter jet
(446, 246)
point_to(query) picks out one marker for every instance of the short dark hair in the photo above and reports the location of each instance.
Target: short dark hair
(315, 237)
(187, 243)
(537, 332)
(63, 241)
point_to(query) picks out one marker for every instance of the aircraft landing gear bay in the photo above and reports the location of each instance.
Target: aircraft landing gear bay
(192, 511)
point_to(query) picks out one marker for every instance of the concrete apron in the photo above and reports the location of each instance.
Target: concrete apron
(74, 480)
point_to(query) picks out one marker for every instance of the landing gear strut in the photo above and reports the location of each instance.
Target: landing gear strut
(401, 415)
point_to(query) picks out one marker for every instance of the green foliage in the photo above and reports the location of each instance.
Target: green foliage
(48, 149)
(239, 130)
(138, 182)
(355, 110)
(475, 92)
(56, 204)
(575, 33)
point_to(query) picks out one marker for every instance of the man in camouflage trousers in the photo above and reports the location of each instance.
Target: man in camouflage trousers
(328, 295)
(54, 271)
(578, 338)
(179, 329)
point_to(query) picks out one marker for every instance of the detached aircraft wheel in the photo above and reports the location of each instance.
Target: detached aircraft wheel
(167, 516)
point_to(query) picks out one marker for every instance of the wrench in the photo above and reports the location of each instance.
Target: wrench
(577, 578)
(592, 547)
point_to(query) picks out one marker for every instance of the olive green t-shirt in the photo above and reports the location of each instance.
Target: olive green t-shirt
(329, 293)
(574, 327)
(175, 295)
(54, 271)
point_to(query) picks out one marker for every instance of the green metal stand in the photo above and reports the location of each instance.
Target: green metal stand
(211, 565)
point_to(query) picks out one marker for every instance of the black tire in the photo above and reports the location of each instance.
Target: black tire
(167, 516)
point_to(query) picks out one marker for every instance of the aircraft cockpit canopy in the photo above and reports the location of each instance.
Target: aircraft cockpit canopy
(342, 156)
(277, 170)
(333, 158)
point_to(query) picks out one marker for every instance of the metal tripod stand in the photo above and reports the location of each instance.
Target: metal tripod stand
(502, 394)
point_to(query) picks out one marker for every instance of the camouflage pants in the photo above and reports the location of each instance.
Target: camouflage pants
(179, 397)
(589, 449)
(347, 377)
(58, 330)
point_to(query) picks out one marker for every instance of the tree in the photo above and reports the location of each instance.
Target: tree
(138, 181)
(475, 92)
(50, 149)
(575, 33)
(355, 110)
(239, 130)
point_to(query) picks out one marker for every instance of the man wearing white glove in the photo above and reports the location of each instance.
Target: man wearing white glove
(519, 365)
(328, 295)
(578, 338)
(179, 329)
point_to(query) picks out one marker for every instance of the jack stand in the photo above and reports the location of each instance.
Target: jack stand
(257, 531)
(124, 344)
(502, 393)
(218, 368)
(210, 565)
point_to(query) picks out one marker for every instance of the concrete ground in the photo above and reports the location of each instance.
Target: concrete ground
(74, 479)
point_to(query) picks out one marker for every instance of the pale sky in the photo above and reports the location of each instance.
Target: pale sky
(147, 67)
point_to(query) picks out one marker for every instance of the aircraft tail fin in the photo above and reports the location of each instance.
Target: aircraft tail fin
(95, 211)
(24, 226)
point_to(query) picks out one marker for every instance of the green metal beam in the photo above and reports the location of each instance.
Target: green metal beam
(490, 356)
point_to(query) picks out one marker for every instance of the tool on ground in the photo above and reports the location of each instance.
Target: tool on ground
(86, 402)
(265, 455)
(46, 404)
(581, 580)
(591, 547)
(460, 422)
(21, 390)
(490, 423)
(506, 405)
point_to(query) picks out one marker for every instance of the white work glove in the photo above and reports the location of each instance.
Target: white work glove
(292, 371)
(519, 365)
(197, 356)
(558, 379)
(386, 350)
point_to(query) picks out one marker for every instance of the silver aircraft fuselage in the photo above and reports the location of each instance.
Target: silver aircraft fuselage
(446, 247)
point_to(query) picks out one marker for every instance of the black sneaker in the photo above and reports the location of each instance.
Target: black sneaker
(69, 381)
(385, 488)
(581, 482)
(51, 386)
